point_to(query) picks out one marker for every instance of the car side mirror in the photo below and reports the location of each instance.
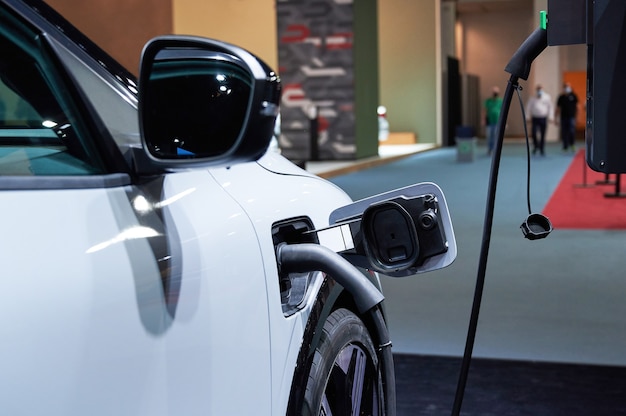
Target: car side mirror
(204, 102)
(398, 233)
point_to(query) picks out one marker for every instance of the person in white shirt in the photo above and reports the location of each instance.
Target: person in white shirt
(539, 110)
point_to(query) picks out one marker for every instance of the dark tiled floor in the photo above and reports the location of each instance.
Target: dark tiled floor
(426, 386)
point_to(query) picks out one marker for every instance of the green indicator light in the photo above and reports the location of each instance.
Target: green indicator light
(544, 19)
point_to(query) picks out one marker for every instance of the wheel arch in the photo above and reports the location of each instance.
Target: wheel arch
(330, 297)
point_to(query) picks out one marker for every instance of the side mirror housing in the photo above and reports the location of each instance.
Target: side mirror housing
(204, 102)
(398, 233)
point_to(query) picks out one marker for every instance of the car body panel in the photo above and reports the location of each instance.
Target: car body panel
(133, 293)
(92, 320)
(292, 196)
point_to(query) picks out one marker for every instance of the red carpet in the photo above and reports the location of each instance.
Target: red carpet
(579, 202)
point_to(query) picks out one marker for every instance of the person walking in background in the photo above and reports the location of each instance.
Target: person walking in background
(493, 105)
(539, 110)
(566, 109)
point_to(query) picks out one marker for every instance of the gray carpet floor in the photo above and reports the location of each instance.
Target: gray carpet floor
(551, 336)
(559, 300)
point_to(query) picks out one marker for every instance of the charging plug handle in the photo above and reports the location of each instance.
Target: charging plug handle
(300, 258)
(519, 65)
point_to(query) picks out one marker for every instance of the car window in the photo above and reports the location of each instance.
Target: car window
(40, 130)
(114, 102)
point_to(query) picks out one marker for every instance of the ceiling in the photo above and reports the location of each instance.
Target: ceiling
(487, 6)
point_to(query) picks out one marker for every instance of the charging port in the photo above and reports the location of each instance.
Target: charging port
(293, 286)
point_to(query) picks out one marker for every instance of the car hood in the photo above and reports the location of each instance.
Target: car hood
(276, 163)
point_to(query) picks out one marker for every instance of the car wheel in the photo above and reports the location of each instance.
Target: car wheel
(344, 377)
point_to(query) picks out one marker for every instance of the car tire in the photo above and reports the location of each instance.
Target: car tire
(344, 378)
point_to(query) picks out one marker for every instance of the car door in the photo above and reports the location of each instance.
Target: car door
(123, 295)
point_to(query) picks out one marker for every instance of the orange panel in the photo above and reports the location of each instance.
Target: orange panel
(120, 27)
(578, 81)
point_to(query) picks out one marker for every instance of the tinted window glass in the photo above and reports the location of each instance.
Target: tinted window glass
(39, 131)
(114, 102)
(197, 107)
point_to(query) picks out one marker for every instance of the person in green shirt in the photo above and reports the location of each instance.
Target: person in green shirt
(493, 105)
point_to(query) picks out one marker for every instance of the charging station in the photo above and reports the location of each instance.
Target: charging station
(600, 24)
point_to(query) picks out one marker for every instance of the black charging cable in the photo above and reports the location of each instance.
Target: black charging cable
(536, 225)
(518, 67)
(521, 104)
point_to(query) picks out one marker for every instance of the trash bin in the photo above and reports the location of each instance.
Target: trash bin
(465, 143)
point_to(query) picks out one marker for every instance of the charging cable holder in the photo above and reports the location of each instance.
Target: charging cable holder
(536, 226)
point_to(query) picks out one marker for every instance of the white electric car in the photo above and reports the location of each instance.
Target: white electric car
(156, 260)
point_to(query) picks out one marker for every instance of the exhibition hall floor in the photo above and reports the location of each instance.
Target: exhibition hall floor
(559, 302)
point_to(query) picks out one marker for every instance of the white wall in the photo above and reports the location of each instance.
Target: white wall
(410, 66)
(250, 24)
(488, 40)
